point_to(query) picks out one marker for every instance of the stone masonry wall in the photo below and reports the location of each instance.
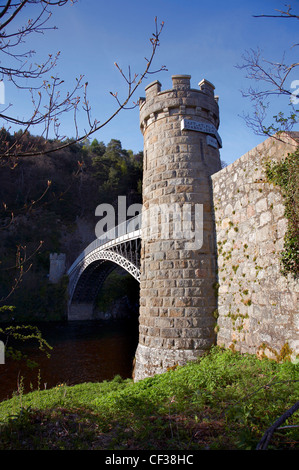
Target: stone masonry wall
(177, 299)
(257, 305)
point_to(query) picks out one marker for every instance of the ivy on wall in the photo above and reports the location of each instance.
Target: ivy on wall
(285, 174)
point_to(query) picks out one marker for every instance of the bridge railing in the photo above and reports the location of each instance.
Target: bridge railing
(129, 226)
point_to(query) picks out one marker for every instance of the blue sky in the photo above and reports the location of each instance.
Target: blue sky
(205, 39)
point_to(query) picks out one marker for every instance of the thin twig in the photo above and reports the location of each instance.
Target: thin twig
(264, 442)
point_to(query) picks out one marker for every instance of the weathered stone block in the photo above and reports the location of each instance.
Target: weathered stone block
(253, 295)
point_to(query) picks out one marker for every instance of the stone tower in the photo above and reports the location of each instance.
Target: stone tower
(178, 256)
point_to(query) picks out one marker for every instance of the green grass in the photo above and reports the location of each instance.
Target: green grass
(224, 401)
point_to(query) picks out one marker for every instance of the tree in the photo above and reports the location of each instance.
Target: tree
(49, 104)
(270, 79)
(98, 148)
(117, 171)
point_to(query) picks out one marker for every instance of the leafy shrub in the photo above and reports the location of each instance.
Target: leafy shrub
(285, 174)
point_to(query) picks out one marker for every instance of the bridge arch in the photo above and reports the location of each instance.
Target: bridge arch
(90, 270)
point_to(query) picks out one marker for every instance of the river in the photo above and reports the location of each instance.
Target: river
(89, 351)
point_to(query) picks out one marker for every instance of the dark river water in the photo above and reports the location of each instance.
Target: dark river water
(82, 352)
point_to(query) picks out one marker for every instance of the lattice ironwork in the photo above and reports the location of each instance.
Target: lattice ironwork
(88, 273)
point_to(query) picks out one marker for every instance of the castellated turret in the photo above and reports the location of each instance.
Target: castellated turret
(178, 256)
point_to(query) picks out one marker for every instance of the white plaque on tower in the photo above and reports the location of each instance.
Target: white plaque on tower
(205, 127)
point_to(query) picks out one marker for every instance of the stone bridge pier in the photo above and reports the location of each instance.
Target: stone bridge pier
(178, 252)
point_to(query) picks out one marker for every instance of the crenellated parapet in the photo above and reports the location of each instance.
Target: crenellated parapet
(181, 100)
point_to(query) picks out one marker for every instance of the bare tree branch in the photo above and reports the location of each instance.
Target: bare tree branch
(264, 442)
(48, 105)
(269, 79)
(48, 102)
(283, 14)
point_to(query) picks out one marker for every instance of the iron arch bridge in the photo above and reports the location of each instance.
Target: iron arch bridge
(117, 247)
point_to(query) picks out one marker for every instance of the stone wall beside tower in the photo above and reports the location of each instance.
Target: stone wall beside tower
(178, 269)
(257, 303)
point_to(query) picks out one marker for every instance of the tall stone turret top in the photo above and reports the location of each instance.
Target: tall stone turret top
(199, 103)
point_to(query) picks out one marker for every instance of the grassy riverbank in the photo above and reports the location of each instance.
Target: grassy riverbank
(224, 401)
